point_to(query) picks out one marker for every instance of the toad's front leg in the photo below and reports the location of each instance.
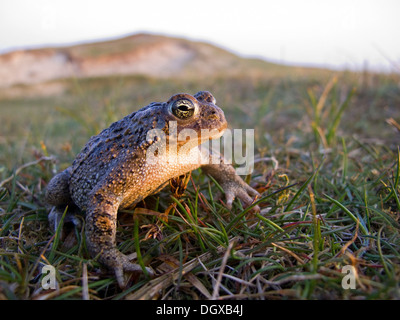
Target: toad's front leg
(233, 185)
(101, 225)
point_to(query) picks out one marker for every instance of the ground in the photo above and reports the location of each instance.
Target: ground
(327, 165)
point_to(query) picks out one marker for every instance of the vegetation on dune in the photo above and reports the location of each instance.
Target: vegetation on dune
(327, 165)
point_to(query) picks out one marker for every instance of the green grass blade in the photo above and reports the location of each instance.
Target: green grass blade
(397, 178)
(270, 223)
(302, 188)
(345, 162)
(137, 246)
(57, 237)
(349, 213)
(335, 123)
(383, 260)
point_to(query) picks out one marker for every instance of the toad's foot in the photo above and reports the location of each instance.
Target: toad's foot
(70, 218)
(118, 262)
(241, 190)
(232, 184)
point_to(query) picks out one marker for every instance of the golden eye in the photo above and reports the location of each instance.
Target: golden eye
(182, 109)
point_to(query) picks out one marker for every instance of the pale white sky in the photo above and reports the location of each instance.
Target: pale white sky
(341, 33)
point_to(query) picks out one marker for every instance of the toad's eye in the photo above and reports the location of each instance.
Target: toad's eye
(182, 109)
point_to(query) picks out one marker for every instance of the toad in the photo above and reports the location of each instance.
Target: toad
(132, 159)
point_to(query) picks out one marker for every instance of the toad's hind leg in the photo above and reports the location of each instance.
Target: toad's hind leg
(101, 226)
(58, 195)
(57, 191)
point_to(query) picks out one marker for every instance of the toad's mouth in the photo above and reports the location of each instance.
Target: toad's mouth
(213, 134)
(219, 135)
(204, 136)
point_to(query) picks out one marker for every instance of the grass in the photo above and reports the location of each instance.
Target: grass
(330, 195)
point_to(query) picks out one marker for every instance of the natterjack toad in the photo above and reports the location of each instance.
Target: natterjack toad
(121, 166)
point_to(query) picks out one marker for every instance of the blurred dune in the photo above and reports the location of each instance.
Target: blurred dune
(141, 54)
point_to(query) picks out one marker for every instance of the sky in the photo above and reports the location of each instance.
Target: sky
(342, 34)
